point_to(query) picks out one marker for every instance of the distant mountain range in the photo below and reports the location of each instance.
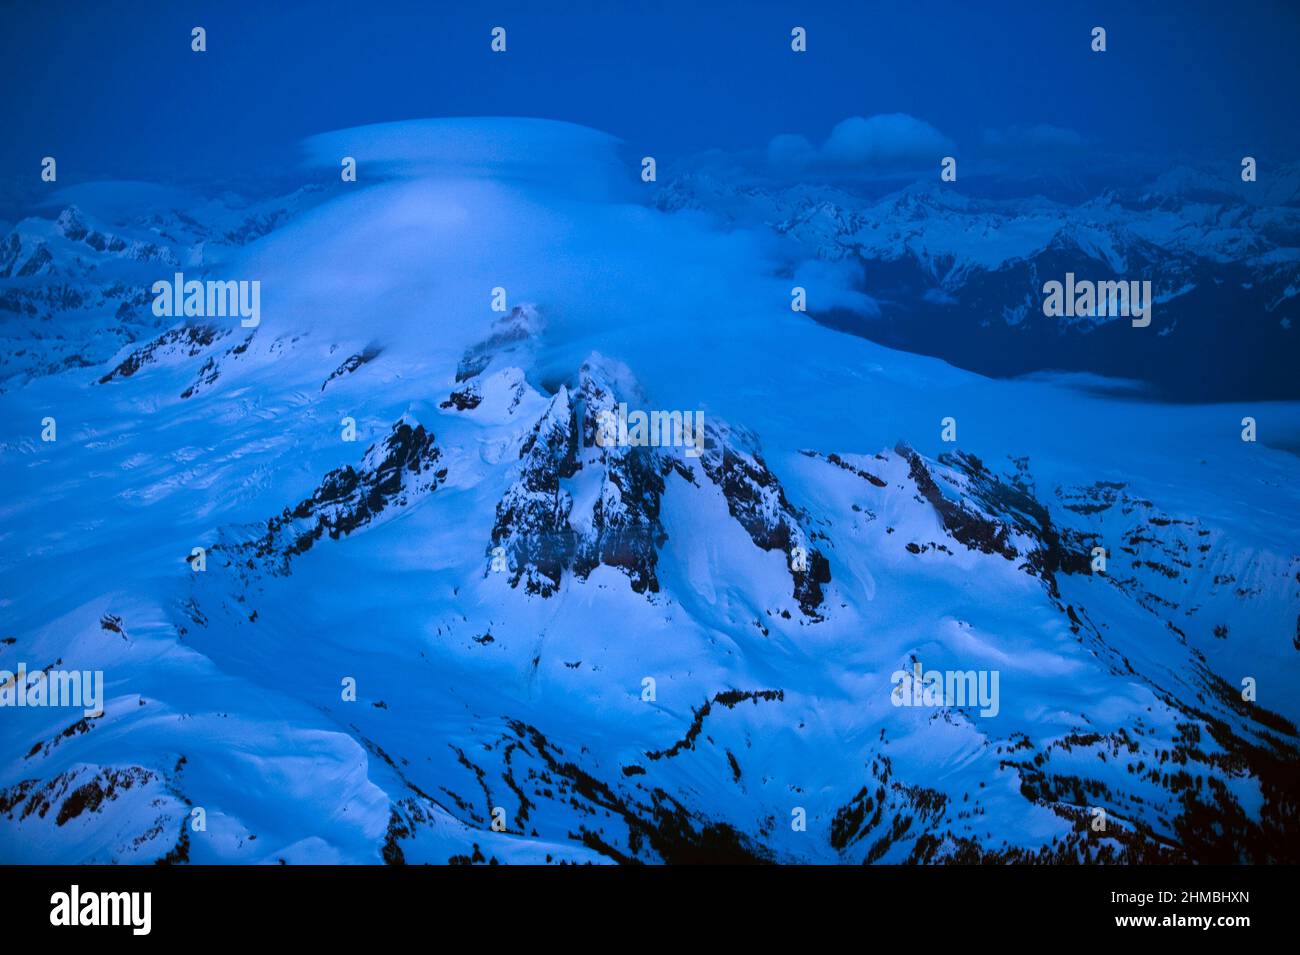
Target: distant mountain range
(962, 278)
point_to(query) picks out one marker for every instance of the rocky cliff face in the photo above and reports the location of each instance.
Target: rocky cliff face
(394, 473)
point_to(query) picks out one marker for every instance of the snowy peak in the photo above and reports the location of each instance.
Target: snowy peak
(395, 473)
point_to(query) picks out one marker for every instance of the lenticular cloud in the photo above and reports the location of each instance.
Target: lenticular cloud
(538, 151)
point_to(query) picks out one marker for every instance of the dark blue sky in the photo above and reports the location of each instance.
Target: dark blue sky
(113, 89)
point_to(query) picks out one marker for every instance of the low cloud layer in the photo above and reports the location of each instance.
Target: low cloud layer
(892, 143)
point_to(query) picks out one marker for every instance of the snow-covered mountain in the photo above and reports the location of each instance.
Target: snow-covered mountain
(961, 277)
(437, 617)
(62, 274)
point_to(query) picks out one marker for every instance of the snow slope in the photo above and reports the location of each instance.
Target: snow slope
(501, 587)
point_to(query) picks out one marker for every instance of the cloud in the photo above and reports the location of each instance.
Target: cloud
(834, 284)
(791, 149)
(562, 156)
(884, 140)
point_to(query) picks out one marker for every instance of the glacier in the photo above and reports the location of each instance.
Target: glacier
(561, 651)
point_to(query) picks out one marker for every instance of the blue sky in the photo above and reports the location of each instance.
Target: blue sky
(113, 89)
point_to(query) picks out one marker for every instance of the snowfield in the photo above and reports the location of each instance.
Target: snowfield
(474, 634)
